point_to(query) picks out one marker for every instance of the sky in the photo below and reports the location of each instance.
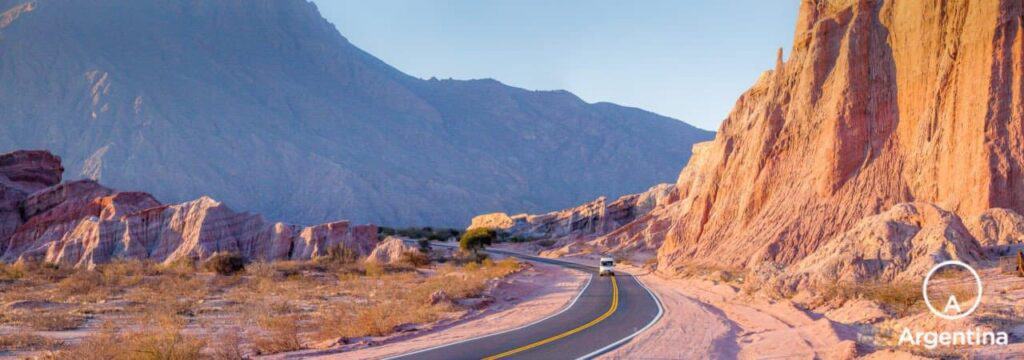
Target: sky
(681, 58)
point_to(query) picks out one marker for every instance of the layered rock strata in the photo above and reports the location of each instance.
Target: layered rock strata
(82, 223)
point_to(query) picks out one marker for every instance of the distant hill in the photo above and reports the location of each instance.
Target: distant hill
(265, 106)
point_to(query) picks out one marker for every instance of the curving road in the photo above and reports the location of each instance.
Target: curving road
(606, 314)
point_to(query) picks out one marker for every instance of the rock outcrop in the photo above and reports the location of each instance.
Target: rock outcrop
(899, 245)
(586, 221)
(998, 227)
(879, 103)
(389, 251)
(83, 223)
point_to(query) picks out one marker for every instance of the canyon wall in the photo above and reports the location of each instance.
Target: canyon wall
(82, 223)
(879, 103)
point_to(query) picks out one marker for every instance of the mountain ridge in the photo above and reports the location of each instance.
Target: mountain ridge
(266, 106)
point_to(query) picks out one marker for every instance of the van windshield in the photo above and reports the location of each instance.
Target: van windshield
(606, 263)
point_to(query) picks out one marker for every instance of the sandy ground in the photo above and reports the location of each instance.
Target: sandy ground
(525, 297)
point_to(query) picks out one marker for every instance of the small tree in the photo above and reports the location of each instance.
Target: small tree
(476, 239)
(424, 245)
(225, 263)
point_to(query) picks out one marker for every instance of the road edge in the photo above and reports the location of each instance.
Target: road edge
(565, 308)
(612, 346)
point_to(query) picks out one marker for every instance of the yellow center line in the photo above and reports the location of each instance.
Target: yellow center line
(611, 310)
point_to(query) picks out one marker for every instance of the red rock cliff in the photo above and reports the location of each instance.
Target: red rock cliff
(879, 103)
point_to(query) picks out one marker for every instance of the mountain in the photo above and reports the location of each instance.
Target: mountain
(264, 105)
(880, 103)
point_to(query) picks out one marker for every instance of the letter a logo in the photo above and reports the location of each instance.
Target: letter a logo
(952, 304)
(952, 311)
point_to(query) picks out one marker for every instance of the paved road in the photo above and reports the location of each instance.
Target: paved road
(606, 314)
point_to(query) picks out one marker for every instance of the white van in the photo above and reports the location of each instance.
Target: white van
(606, 267)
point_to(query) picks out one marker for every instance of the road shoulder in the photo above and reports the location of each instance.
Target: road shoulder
(522, 299)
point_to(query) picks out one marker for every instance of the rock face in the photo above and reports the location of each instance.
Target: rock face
(879, 103)
(240, 99)
(998, 227)
(83, 223)
(899, 245)
(389, 251)
(585, 221)
(25, 172)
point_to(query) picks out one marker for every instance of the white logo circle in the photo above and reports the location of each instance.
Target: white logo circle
(924, 290)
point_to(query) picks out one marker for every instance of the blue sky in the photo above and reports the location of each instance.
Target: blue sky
(686, 59)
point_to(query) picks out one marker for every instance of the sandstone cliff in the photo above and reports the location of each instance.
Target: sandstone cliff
(83, 223)
(879, 103)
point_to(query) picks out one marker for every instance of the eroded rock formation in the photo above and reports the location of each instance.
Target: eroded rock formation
(389, 251)
(83, 223)
(899, 245)
(591, 219)
(879, 103)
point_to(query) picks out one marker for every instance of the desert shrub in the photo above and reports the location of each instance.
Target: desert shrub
(48, 321)
(10, 272)
(374, 269)
(163, 339)
(227, 345)
(83, 285)
(415, 258)
(898, 298)
(225, 263)
(261, 270)
(278, 333)
(158, 336)
(546, 243)
(180, 266)
(476, 239)
(169, 293)
(338, 255)
(423, 245)
(21, 341)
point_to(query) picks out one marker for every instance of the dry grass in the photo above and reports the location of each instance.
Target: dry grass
(153, 336)
(145, 308)
(278, 333)
(898, 298)
(404, 298)
(46, 320)
(227, 345)
(25, 341)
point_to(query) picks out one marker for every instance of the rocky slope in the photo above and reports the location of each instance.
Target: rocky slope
(82, 223)
(899, 245)
(879, 103)
(241, 99)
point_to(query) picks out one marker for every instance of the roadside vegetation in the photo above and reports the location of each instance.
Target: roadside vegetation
(230, 308)
(428, 233)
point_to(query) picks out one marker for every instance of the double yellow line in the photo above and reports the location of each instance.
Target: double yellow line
(611, 310)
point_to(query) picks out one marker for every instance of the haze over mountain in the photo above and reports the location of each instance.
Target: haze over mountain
(265, 106)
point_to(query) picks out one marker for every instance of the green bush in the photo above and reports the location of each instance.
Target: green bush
(476, 239)
(225, 263)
